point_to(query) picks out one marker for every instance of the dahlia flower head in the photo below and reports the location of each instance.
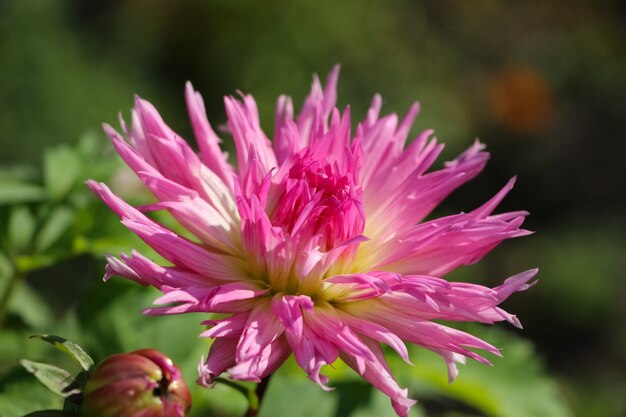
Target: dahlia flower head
(312, 244)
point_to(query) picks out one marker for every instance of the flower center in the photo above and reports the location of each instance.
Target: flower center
(317, 206)
(318, 202)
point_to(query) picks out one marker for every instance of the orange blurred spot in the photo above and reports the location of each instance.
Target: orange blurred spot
(521, 100)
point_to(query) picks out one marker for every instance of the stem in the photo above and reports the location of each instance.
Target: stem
(6, 297)
(238, 387)
(257, 397)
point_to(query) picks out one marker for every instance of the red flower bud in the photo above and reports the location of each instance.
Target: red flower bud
(143, 383)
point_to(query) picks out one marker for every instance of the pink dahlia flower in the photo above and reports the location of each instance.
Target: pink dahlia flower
(313, 243)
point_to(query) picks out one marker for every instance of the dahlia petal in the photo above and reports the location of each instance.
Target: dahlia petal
(150, 119)
(429, 298)
(235, 297)
(261, 329)
(232, 297)
(332, 258)
(172, 155)
(376, 372)
(116, 266)
(439, 246)
(185, 168)
(174, 248)
(451, 360)
(243, 121)
(330, 90)
(201, 219)
(159, 276)
(183, 252)
(325, 322)
(260, 349)
(203, 181)
(488, 208)
(145, 272)
(515, 283)
(400, 208)
(317, 106)
(287, 140)
(379, 333)
(221, 357)
(413, 162)
(263, 364)
(229, 327)
(287, 309)
(136, 158)
(208, 141)
(137, 138)
(393, 312)
(405, 125)
(311, 352)
(373, 111)
(383, 142)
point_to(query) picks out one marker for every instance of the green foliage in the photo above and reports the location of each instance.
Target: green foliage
(56, 379)
(499, 391)
(49, 227)
(69, 348)
(21, 393)
(21, 228)
(62, 167)
(31, 307)
(16, 191)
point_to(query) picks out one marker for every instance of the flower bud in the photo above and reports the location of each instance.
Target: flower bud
(143, 383)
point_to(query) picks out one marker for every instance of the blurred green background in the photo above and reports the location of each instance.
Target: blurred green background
(543, 84)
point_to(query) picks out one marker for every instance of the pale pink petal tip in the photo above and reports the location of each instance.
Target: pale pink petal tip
(116, 266)
(402, 406)
(205, 377)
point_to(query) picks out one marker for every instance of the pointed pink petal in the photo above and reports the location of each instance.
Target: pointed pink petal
(221, 357)
(376, 372)
(174, 248)
(209, 143)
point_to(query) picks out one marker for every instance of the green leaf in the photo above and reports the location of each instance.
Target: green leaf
(29, 304)
(16, 192)
(88, 145)
(21, 227)
(112, 322)
(516, 386)
(30, 263)
(61, 170)
(19, 172)
(56, 224)
(379, 405)
(312, 401)
(22, 394)
(69, 348)
(6, 268)
(349, 399)
(57, 380)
